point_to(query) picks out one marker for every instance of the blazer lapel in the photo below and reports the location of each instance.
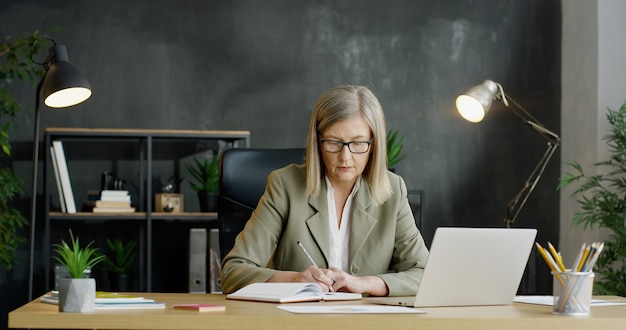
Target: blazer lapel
(362, 223)
(318, 223)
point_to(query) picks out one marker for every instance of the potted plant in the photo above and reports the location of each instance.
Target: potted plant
(395, 143)
(77, 293)
(602, 198)
(15, 65)
(206, 175)
(119, 261)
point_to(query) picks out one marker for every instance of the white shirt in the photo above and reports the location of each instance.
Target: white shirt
(339, 235)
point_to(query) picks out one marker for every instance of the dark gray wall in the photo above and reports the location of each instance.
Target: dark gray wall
(260, 65)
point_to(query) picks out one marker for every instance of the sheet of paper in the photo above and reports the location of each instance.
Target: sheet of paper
(548, 301)
(349, 309)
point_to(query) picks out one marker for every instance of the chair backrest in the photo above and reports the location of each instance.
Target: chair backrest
(242, 181)
(416, 201)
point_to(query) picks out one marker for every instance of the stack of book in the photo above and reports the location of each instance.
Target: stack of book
(111, 300)
(110, 201)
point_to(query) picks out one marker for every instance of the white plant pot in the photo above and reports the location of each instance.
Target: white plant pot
(77, 295)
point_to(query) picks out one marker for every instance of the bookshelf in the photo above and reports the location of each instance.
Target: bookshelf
(143, 156)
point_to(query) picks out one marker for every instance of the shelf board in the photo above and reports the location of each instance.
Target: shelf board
(208, 216)
(157, 133)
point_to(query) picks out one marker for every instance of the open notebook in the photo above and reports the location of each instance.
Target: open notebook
(471, 266)
(289, 292)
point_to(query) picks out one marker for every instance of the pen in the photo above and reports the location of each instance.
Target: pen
(307, 254)
(314, 264)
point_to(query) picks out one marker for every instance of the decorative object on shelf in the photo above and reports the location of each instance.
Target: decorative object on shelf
(62, 86)
(168, 201)
(119, 262)
(109, 181)
(77, 293)
(474, 104)
(395, 143)
(602, 198)
(111, 201)
(205, 174)
(15, 66)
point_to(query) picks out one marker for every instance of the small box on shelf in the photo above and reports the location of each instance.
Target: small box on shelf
(169, 203)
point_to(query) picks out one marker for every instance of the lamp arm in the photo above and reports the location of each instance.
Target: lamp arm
(33, 202)
(516, 204)
(519, 111)
(547, 134)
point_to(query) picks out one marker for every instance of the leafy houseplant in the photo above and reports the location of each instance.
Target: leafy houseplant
(15, 64)
(602, 198)
(76, 260)
(206, 176)
(120, 257)
(119, 262)
(205, 173)
(395, 143)
(77, 294)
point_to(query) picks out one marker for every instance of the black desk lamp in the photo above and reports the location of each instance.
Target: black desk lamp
(474, 104)
(63, 86)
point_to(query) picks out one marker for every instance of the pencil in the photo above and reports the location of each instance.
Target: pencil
(551, 263)
(557, 257)
(583, 259)
(592, 260)
(579, 256)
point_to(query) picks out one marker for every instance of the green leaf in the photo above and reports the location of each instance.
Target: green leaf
(15, 65)
(77, 260)
(205, 173)
(395, 143)
(120, 256)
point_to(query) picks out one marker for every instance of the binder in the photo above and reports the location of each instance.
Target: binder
(197, 260)
(215, 262)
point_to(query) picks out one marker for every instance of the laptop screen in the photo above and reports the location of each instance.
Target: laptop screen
(475, 266)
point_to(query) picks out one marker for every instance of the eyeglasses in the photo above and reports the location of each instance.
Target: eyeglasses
(355, 147)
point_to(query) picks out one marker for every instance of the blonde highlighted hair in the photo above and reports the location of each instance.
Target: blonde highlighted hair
(337, 104)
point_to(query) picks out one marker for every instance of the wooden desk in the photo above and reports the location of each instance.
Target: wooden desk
(258, 315)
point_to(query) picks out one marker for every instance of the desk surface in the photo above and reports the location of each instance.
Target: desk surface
(258, 315)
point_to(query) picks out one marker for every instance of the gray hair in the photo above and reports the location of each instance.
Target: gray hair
(337, 104)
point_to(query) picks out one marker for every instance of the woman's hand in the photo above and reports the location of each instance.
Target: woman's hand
(309, 275)
(344, 282)
(319, 276)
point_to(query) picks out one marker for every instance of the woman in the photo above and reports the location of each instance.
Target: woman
(350, 214)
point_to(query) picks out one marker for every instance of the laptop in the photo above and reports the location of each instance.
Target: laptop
(471, 266)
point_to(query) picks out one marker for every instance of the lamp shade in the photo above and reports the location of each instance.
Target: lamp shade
(474, 104)
(63, 85)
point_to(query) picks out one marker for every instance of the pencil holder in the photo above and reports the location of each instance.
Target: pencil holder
(572, 293)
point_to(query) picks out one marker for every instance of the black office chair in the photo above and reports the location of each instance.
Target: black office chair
(242, 180)
(416, 201)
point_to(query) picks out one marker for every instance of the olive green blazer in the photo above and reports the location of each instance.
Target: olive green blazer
(384, 240)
